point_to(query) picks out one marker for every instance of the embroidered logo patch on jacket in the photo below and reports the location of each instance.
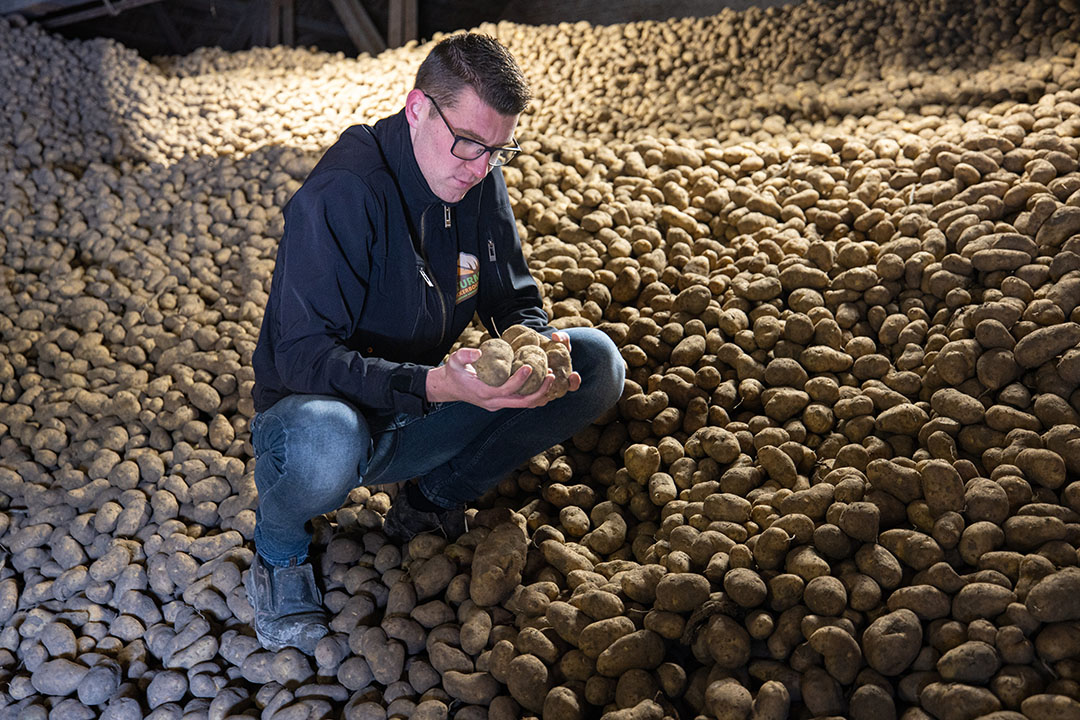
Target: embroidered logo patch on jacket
(468, 276)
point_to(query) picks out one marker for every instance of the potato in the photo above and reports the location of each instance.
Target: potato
(495, 362)
(599, 603)
(841, 652)
(528, 680)
(535, 358)
(1046, 705)
(727, 699)
(872, 701)
(972, 662)
(558, 362)
(477, 688)
(598, 636)
(1052, 599)
(681, 592)
(745, 587)
(567, 620)
(926, 601)
(981, 600)
(497, 564)
(892, 642)
(644, 710)
(58, 677)
(640, 583)
(609, 536)
(639, 649)
(951, 701)
(726, 642)
(519, 336)
(563, 702)
(771, 702)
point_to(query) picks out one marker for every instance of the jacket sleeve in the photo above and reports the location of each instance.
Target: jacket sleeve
(321, 280)
(513, 297)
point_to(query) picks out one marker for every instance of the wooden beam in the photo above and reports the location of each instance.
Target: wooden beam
(402, 24)
(106, 8)
(362, 31)
(36, 8)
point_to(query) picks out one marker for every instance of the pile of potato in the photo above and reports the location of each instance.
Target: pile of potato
(838, 246)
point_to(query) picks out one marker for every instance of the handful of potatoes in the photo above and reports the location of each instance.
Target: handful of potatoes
(501, 357)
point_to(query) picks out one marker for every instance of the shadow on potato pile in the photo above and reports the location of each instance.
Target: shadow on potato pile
(838, 245)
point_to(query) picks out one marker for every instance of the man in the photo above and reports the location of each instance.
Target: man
(398, 237)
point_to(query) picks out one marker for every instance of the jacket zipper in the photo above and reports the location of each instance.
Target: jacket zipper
(430, 279)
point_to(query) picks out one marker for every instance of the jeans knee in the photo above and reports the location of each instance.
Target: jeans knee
(599, 363)
(311, 451)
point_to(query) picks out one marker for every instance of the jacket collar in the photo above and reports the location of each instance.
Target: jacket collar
(405, 168)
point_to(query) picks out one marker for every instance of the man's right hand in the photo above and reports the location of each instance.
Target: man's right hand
(456, 380)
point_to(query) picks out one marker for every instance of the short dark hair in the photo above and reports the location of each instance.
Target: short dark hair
(477, 61)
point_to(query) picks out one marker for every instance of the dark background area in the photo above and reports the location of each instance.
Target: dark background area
(177, 27)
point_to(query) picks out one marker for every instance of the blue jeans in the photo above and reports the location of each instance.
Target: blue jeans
(311, 450)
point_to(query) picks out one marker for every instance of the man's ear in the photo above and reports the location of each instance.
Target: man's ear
(415, 104)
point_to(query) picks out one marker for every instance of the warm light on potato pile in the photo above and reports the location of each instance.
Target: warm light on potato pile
(839, 248)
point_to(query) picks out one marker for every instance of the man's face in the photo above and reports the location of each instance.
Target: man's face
(450, 177)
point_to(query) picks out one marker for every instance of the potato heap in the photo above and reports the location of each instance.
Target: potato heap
(838, 246)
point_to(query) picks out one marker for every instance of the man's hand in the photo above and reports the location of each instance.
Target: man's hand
(456, 380)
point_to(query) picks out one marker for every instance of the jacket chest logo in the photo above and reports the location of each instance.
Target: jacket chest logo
(468, 278)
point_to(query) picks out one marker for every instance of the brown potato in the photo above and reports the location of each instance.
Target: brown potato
(558, 362)
(535, 358)
(495, 362)
(519, 336)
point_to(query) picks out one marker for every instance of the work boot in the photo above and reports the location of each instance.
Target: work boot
(288, 605)
(412, 514)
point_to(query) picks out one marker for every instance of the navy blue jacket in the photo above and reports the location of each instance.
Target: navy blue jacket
(367, 294)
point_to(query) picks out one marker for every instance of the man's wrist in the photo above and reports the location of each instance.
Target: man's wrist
(433, 385)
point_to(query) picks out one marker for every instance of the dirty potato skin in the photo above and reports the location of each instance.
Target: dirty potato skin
(494, 366)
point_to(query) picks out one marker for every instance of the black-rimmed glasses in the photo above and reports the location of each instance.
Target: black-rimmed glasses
(468, 149)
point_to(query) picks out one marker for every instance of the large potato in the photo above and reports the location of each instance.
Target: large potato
(558, 362)
(535, 358)
(495, 362)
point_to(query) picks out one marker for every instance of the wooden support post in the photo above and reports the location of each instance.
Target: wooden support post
(288, 22)
(260, 25)
(362, 31)
(402, 25)
(282, 23)
(273, 24)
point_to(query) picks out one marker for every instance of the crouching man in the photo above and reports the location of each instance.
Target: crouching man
(400, 235)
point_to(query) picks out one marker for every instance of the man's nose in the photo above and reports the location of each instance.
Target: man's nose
(479, 166)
